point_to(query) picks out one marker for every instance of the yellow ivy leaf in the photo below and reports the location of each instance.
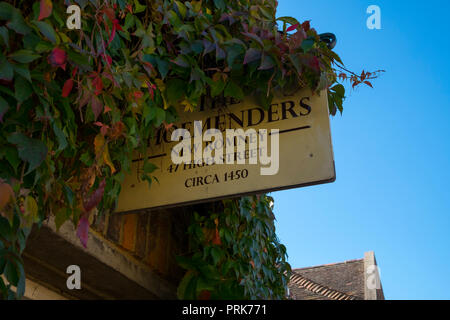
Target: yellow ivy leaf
(31, 209)
(187, 106)
(102, 151)
(144, 80)
(107, 159)
(61, 216)
(197, 5)
(64, 38)
(160, 84)
(99, 143)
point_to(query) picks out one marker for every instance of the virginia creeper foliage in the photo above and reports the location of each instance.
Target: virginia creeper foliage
(76, 104)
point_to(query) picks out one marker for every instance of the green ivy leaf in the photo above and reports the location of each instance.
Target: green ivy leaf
(149, 167)
(6, 11)
(307, 44)
(5, 228)
(47, 30)
(6, 69)
(79, 59)
(251, 55)
(12, 156)
(217, 87)
(17, 23)
(23, 89)
(62, 141)
(4, 34)
(234, 91)
(23, 71)
(30, 150)
(175, 89)
(182, 61)
(11, 273)
(220, 4)
(187, 287)
(21, 283)
(290, 20)
(70, 196)
(267, 63)
(4, 107)
(138, 8)
(181, 8)
(24, 56)
(216, 255)
(160, 116)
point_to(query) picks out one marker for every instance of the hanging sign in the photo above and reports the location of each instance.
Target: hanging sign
(233, 150)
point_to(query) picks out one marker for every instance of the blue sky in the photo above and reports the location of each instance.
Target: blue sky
(391, 146)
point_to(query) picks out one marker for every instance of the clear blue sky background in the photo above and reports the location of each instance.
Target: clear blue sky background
(392, 150)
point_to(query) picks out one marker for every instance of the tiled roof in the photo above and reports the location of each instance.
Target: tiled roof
(340, 281)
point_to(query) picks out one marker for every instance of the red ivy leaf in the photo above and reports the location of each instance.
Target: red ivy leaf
(368, 83)
(95, 198)
(109, 12)
(74, 72)
(45, 9)
(107, 109)
(314, 63)
(83, 230)
(58, 58)
(151, 87)
(107, 58)
(67, 88)
(167, 126)
(103, 128)
(204, 295)
(117, 130)
(98, 84)
(138, 94)
(293, 27)
(97, 106)
(6, 194)
(216, 240)
(116, 26)
(306, 25)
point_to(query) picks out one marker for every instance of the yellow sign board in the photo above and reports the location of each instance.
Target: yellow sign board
(296, 126)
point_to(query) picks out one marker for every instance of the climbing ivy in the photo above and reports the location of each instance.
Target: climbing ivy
(235, 253)
(75, 105)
